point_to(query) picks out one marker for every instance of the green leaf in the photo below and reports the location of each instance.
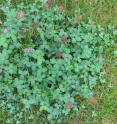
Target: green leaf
(3, 41)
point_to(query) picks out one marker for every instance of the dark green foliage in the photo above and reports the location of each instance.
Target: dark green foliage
(46, 59)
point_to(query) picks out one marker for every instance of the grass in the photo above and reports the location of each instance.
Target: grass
(103, 12)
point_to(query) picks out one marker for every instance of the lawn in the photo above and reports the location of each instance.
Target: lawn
(103, 12)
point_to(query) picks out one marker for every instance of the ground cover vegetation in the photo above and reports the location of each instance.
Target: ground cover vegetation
(52, 61)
